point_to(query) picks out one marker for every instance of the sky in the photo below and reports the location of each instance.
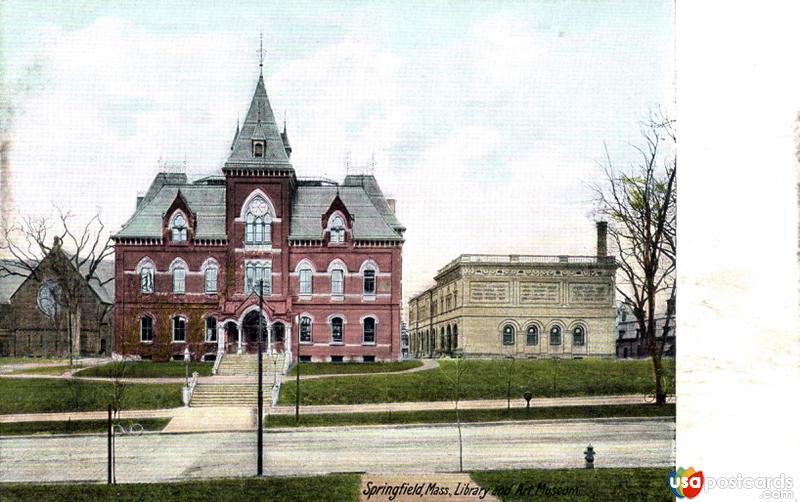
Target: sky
(486, 120)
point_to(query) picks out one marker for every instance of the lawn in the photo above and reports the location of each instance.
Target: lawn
(344, 368)
(40, 395)
(31, 360)
(640, 484)
(75, 426)
(339, 487)
(485, 379)
(449, 416)
(148, 369)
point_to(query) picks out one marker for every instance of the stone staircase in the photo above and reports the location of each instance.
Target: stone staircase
(237, 382)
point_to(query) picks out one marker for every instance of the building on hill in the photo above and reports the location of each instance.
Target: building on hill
(33, 321)
(525, 306)
(190, 259)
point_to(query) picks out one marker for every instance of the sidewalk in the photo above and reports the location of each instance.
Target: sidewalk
(348, 408)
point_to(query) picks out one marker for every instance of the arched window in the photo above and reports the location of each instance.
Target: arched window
(146, 279)
(336, 228)
(455, 337)
(258, 222)
(258, 149)
(305, 330)
(508, 334)
(337, 282)
(179, 280)
(305, 281)
(555, 335)
(369, 330)
(337, 330)
(211, 329)
(578, 336)
(146, 329)
(210, 279)
(369, 282)
(178, 228)
(533, 335)
(178, 329)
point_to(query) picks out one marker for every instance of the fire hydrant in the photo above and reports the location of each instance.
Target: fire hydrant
(589, 456)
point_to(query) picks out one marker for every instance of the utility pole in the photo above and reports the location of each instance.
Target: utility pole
(260, 468)
(110, 432)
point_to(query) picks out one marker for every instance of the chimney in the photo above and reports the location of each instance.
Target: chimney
(391, 203)
(602, 245)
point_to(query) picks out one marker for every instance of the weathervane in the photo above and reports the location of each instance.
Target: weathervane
(261, 53)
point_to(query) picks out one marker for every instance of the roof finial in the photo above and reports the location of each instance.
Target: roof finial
(261, 54)
(284, 121)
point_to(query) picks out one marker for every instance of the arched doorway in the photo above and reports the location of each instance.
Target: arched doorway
(449, 339)
(278, 336)
(250, 332)
(455, 336)
(231, 337)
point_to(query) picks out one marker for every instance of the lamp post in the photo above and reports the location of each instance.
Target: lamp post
(260, 441)
(297, 389)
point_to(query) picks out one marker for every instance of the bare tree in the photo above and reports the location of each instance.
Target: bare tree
(640, 203)
(455, 382)
(508, 366)
(31, 241)
(119, 386)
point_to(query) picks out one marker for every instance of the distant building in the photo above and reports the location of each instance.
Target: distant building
(32, 321)
(527, 306)
(630, 343)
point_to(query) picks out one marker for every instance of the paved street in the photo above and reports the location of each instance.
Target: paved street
(376, 449)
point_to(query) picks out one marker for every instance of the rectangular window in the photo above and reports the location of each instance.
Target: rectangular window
(211, 280)
(305, 359)
(369, 282)
(147, 280)
(211, 329)
(369, 330)
(255, 272)
(178, 329)
(305, 330)
(337, 330)
(369, 359)
(337, 283)
(146, 329)
(337, 359)
(305, 282)
(179, 281)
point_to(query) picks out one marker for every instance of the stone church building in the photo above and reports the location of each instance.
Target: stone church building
(190, 260)
(520, 305)
(34, 322)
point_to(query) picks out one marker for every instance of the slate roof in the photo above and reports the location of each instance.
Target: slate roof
(207, 202)
(10, 283)
(258, 124)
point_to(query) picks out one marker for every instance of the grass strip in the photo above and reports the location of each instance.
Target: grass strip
(75, 426)
(338, 487)
(467, 416)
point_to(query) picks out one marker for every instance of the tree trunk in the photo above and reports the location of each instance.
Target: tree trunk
(75, 329)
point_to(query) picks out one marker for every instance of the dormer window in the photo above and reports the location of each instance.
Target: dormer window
(178, 228)
(258, 149)
(336, 227)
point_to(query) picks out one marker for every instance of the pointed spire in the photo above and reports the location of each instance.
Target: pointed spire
(261, 54)
(285, 137)
(259, 125)
(236, 135)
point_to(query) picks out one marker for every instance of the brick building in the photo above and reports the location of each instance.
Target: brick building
(34, 323)
(190, 259)
(526, 306)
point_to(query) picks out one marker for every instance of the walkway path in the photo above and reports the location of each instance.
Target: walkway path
(350, 408)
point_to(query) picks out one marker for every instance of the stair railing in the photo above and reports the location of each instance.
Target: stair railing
(217, 362)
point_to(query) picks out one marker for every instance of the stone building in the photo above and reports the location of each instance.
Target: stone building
(521, 305)
(34, 323)
(191, 258)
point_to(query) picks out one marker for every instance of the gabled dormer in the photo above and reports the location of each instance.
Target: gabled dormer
(178, 222)
(337, 224)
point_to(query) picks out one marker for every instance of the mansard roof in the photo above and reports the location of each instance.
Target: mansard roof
(207, 202)
(311, 202)
(259, 124)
